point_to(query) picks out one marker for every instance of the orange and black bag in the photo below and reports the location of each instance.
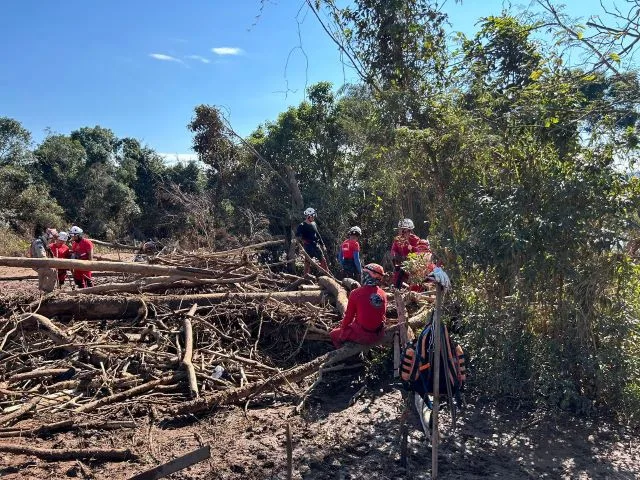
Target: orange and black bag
(416, 369)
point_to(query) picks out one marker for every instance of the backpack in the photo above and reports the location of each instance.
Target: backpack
(416, 371)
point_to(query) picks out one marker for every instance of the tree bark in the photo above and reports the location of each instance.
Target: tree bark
(158, 283)
(92, 307)
(126, 267)
(337, 291)
(188, 352)
(104, 454)
(23, 410)
(65, 425)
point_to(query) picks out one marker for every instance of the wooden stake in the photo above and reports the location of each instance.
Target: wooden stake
(435, 438)
(175, 465)
(289, 453)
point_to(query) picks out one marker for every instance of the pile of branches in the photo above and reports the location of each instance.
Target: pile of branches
(220, 329)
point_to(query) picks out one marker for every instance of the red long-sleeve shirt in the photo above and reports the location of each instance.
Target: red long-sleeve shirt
(402, 246)
(59, 251)
(367, 306)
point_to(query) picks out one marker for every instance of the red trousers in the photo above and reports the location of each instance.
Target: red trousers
(355, 333)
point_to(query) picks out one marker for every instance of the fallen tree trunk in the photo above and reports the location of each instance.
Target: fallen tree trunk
(158, 283)
(92, 307)
(35, 277)
(126, 267)
(238, 394)
(66, 425)
(337, 291)
(104, 454)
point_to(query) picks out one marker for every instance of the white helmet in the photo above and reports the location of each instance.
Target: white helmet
(64, 236)
(406, 223)
(51, 233)
(355, 231)
(75, 230)
(310, 212)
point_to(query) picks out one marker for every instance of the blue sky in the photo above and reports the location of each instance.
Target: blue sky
(139, 67)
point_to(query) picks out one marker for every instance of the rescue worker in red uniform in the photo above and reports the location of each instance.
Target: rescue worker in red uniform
(364, 319)
(403, 244)
(81, 249)
(60, 249)
(307, 233)
(349, 255)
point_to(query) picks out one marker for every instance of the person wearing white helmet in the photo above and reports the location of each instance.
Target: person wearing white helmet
(81, 249)
(307, 233)
(60, 249)
(349, 255)
(403, 244)
(40, 249)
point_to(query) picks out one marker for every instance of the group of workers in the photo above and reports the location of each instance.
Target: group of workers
(69, 245)
(365, 316)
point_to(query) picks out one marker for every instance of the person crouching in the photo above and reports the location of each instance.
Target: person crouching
(364, 319)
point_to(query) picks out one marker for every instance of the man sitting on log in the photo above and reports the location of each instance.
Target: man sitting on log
(364, 318)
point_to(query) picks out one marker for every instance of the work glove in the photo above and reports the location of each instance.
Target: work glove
(439, 276)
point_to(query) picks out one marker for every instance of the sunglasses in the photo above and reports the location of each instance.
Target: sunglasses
(404, 230)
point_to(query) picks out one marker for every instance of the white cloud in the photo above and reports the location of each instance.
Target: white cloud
(173, 158)
(164, 58)
(227, 51)
(199, 58)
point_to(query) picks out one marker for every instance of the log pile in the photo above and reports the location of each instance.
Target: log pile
(219, 328)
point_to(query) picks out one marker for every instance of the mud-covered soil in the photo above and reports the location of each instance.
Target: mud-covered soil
(336, 438)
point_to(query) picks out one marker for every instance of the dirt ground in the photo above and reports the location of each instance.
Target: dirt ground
(341, 435)
(334, 439)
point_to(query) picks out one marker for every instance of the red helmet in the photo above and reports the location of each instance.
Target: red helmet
(422, 246)
(376, 271)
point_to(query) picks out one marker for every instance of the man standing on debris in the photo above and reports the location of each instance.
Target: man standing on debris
(403, 244)
(59, 249)
(349, 255)
(40, 249)
(363, 321)
(81, 249)
(307, 233)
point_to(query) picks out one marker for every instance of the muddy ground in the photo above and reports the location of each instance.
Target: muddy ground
(341, 435)
(336, 438)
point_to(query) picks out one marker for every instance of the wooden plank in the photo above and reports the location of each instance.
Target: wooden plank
(175, 465)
